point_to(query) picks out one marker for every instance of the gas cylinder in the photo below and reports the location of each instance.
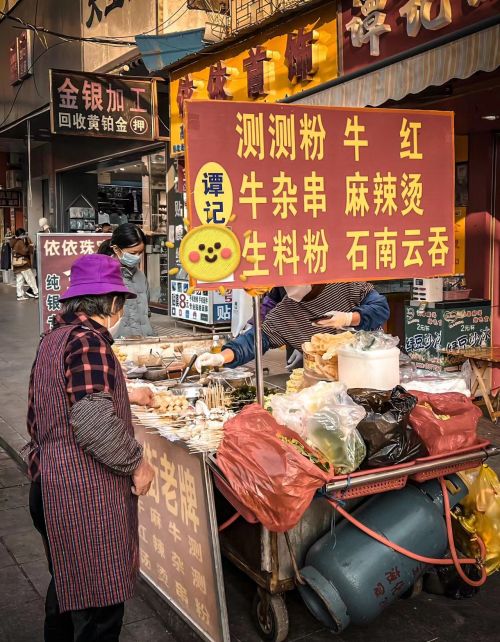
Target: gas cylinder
(350, 577)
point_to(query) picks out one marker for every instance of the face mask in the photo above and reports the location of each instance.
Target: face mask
(298, 292)
(113, 329)
(130, 260)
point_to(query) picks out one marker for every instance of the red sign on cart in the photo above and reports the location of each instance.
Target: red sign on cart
(282, 194)
(55, 256)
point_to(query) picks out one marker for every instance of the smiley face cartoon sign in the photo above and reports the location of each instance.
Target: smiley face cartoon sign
(210, 253)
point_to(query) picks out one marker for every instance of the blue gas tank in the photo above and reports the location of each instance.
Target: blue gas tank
(350, 577)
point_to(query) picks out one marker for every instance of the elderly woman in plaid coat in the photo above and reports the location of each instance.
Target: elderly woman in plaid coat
(85, 464)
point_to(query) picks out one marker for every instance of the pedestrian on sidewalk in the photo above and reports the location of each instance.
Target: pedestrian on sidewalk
(22, 264)
(85, 465)
(127, 245)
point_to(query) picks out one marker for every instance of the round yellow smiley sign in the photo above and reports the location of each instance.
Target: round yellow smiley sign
(210, 253)
(213, 194)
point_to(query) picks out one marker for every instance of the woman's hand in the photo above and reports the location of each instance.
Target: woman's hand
(142, 478)
(339, 320)
(140, 396)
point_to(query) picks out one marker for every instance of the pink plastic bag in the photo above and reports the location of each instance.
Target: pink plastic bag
(445, 422)
(270, 477)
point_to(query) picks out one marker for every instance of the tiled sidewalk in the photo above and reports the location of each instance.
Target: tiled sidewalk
(24, 576)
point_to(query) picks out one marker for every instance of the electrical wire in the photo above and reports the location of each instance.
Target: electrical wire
(57, 34)
(113, 41)
(56, 44)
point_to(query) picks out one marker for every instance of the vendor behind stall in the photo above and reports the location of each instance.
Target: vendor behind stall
(356, 305)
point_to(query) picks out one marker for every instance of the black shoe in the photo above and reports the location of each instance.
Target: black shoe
(31, 294)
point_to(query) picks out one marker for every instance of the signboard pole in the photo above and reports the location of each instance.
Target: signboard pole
(259, 373)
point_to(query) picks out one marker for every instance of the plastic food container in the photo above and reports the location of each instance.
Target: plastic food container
(315, 367)
(378, 369)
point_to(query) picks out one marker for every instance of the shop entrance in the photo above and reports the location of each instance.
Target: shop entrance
(131, 189)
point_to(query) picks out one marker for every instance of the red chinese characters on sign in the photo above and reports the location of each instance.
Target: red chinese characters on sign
(217, 80)
(56, 253)
(254, 66)
(185, 91)
(299, 55)
(325, 194)
(378, 29)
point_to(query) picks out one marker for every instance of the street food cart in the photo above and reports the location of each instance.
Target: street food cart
(191, 516)
(277, 195)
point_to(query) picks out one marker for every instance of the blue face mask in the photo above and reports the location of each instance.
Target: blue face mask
(130, 260)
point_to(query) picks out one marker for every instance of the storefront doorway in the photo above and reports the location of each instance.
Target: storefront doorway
(129, 189)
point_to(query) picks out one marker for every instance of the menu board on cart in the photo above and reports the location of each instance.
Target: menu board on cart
(298, 194)
(179, 548)
(55, 255)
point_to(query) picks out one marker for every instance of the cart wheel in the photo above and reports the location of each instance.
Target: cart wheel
(271, 616)
(415, 590)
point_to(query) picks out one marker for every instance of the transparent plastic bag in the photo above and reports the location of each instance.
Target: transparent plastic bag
(436, 382)
(333, 432)
(294, 410)
(373, 340)
(482, 512)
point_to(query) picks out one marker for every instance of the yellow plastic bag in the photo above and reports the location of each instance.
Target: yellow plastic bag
(482, 512)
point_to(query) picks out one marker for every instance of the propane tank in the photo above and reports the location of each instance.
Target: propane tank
(350, 577)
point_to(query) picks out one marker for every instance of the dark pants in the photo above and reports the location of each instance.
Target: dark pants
(89, 625)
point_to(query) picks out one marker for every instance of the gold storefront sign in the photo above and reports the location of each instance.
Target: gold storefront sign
(282, 61)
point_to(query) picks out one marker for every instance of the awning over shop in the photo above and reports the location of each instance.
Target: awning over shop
(459, 59)
(160, 51)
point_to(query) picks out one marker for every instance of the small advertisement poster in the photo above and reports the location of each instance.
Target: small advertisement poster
(56, 253)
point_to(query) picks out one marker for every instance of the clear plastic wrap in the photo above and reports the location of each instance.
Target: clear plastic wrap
(326, 417)
(435, 382)
(373, 340)
(294, 410)
(333, 432)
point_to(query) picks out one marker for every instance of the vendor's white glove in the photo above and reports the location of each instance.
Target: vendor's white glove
(295, 360)
(337, 320)
(209, 360)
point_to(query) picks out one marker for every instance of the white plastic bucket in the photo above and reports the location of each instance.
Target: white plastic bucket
(378, 369)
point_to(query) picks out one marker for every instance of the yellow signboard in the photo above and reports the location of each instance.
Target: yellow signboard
(281, 61)
(460, 213)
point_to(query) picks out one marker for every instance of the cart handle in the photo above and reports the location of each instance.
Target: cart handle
(489, 451)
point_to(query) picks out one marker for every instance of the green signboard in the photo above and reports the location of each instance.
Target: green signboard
(429, 331)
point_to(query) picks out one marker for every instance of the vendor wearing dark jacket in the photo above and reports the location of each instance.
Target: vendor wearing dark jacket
(356, 305)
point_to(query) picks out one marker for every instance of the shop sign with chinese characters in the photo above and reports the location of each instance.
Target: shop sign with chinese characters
(276, 63)
(179, 551)
(374, 30)
(103, 105)
(297, 194)
(55, 255)
(202, 306)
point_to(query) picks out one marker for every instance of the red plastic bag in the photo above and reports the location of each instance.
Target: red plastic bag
(445, 422)
(270, 477)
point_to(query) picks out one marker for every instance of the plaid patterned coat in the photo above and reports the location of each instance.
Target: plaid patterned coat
(90, 512)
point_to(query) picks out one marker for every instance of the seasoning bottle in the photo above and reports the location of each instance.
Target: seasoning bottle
(216, 346)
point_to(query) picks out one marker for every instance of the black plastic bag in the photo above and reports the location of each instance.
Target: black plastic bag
(387, 434)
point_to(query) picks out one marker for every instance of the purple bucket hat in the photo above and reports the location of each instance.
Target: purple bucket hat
(96, 274)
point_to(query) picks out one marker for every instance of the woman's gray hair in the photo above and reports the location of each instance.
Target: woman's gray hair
(95, 305)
